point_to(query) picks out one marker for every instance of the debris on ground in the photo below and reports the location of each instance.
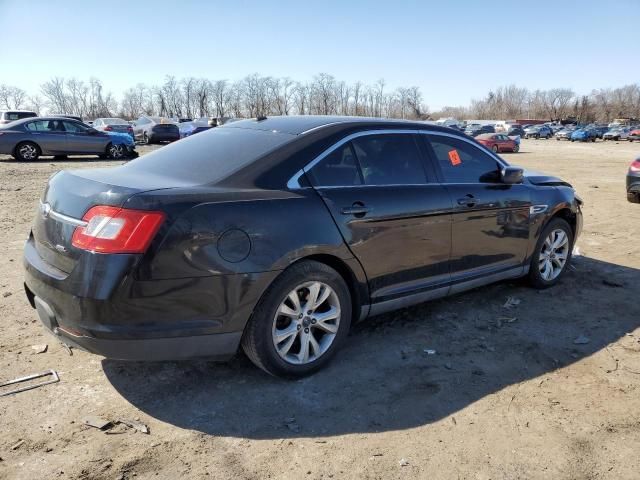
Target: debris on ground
(581, 340)
(17, 445)
(404, 462)
(39, 348)
(97, 422)
(67, 348)
(6, 294)
(511, 302)
(140, 427)
(52, 373)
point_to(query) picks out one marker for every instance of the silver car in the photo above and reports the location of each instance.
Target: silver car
(113, 125)
(617, 134)
(30, 138)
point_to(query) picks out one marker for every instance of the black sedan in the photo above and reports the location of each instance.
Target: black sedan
(633, 182)
(29, 138)
(155, 130)
(277, 234)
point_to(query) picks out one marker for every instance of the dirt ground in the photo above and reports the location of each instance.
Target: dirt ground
(549, 388)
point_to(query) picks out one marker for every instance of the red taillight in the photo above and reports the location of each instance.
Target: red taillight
(635, 166)
(117, 230)
(108, 128)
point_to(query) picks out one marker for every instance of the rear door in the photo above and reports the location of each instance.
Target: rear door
(392, 215)
(82, 139)
(490, 231)
(49, 135)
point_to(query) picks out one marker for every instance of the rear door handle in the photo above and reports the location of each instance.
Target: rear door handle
(358, 209)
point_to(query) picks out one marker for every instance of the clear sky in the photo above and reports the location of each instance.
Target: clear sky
(454, 50)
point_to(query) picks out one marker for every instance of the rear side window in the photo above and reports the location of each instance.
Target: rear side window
(210, 156)
(389, 159)
(338, 169)
(384, 159)
(461, 162)
(46, 126)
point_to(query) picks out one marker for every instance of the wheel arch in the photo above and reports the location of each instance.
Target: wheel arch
(567, 215)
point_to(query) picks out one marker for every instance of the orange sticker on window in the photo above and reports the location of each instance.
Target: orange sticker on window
(454, 158)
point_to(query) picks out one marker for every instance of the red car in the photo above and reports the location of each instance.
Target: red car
(634, 135)
(498, 142)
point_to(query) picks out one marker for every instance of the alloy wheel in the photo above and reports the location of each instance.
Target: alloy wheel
(553, 255)
(116, 151)
(28, 152)
(306, 323)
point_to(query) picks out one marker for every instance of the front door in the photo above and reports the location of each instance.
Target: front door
(490, 231)
(81, 139)
(395, 221)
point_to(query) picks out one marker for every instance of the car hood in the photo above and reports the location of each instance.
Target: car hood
(538, 178)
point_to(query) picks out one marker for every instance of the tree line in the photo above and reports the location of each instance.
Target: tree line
(257, 95)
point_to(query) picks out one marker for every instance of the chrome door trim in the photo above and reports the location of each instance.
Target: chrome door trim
(294, 181)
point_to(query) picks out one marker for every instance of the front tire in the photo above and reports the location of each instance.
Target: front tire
(116, 151)
(552, 255)
(145, 139)
(495, 148)
(300, 322)
(516, 148)
(27, 152)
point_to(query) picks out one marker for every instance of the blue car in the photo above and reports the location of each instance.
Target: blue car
(584, 135)
(122, 145)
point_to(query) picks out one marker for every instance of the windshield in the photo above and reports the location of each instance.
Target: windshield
(115, 121)
(210, 156)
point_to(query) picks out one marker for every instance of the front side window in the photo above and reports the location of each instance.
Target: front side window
(74, 127)
(462, 162)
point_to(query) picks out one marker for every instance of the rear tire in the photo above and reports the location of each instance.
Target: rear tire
(145, 139)
(27, 152)
(546, 256)
(516, 149)
(286, 357)
(495, 148)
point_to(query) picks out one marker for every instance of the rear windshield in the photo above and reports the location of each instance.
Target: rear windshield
(18, 115)
(209, 156)
(115, 121)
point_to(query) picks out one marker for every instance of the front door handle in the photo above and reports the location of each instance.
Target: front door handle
(357, 209)
(468, 200)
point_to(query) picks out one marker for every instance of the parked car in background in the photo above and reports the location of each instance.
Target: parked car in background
(475, 129)
(633, 182)
(618, 133)
(515, 130)
(193, 127)
(565, 133)
(64, 115)
(113, 125)
(538, 131)
(30, 138)
(600, 129)
(498, 142)
(239, 238)
(634, 135)
(584, 135)
(8, 116)
(155, 129)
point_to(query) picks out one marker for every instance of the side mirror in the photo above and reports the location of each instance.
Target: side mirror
(511, 175)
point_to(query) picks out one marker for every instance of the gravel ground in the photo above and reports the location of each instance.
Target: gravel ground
(509, 392)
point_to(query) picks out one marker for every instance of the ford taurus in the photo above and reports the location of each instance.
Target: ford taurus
(274, 235)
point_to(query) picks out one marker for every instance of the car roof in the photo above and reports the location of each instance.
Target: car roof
(299, 124)
(36, 119)
(486, 136)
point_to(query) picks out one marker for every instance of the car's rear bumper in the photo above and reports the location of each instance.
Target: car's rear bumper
(219, 346)
(100, 308)
(164, 137)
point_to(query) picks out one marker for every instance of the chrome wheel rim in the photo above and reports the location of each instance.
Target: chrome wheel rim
(306, 323)
(28, 152)
(553, 255)
(116, 151)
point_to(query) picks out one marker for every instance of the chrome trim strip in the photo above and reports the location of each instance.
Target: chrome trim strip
(65, 218)
(294, 181)
(535, 209)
